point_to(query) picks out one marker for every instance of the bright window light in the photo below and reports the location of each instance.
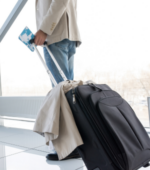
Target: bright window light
(115, 50)
(15, 6)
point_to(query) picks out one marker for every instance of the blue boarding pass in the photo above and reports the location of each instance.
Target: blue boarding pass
(25, 37)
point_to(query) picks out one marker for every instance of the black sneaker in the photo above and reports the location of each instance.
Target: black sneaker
(54, 156)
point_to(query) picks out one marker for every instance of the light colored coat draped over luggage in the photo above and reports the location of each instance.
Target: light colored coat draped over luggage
(55, 120)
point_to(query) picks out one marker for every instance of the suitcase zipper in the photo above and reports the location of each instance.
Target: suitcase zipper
(103, 136)
(73, 96)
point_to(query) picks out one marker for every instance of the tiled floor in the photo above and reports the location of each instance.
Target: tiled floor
(23, 149)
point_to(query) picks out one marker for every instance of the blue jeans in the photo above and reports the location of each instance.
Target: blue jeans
(63, 52)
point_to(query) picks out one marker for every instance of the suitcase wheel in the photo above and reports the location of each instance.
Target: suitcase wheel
(146, 165)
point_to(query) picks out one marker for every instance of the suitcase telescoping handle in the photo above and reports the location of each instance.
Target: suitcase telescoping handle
(44, 64)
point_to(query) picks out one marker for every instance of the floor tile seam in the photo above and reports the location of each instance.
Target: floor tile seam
(26, 149)
(41, 150)
(77, 159)
(13, 154)
(80, 167)
(14, 144)
(17, 153)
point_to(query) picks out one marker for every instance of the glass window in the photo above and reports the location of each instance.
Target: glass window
(5, 9)
(115, 51)
(22, 73)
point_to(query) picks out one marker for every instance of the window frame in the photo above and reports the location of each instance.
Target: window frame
(11, 18)
(8, 23)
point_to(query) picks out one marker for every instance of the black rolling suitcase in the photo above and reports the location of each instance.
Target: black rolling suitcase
(114, 138)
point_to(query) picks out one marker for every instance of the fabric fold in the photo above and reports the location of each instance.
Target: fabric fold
(55, 120)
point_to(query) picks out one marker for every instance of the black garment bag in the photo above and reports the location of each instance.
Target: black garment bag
(114, 138)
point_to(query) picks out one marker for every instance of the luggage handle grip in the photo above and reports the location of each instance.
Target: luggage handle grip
(32, 41)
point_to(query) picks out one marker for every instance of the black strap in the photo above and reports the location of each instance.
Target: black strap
(101, 87)
(96, 87)
(32, 41)
(146, 165)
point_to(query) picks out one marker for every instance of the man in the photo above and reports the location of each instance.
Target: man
(56, 22)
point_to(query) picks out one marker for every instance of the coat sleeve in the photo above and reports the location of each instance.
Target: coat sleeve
(54, 14)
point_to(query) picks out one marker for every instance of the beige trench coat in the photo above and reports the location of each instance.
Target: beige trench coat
(58, 19)
(55, 120)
